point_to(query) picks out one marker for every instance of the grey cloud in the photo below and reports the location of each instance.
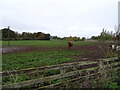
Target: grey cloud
(60, 17)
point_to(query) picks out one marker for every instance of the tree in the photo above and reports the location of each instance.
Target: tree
(40, 36)
(25, 36)
(54, 37)
(94, 37)
(18, 36)
(106, 35)
(47, 36)
(83, 39)
(8, 34)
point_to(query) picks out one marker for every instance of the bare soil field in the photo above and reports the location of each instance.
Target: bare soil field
(97, 51)
(19, 49)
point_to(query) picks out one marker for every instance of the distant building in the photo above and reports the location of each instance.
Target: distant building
(119, 14)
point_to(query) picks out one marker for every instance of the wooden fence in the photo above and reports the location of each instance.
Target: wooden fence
(61, 73)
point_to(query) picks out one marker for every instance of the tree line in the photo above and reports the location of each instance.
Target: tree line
(8, 34)
(75, 38)
(106, 35)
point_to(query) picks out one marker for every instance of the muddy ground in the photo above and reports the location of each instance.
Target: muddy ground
(96, 51)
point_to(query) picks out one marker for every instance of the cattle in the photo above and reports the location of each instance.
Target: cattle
(70, 43)
(118, 48)
(114, 47)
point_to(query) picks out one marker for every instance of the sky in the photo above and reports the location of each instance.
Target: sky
(81, 18)
(119, 14)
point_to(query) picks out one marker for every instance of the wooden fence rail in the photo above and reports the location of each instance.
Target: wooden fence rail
(71, 71)
(53, 67)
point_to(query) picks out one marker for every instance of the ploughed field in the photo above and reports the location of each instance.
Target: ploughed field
(29, 54)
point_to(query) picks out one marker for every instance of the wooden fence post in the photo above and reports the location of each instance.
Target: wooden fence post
(101, 67)
(88, 75)
(62, 72)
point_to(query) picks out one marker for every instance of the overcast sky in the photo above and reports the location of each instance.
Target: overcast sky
(59, 17)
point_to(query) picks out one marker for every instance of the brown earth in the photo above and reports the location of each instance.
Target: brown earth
(96, 51)
(20, 49)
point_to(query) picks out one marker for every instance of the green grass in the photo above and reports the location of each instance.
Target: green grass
(39, 58)
(0, 43)
(36, 43)
(43, 43)
(25, 60)
(36, 59)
